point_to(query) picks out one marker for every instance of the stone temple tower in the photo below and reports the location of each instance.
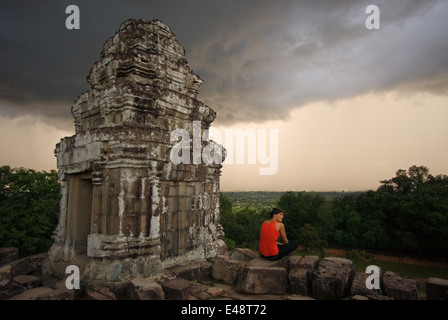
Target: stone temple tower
(125, 204)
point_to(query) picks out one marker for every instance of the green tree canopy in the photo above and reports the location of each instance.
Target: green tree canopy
(407, 214)
(29, 209)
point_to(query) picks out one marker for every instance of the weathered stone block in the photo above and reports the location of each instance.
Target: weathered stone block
(5, 276)
(28, 264)
(437, 289)
(215, 291)
(177, 289)
(226, 269)
(359, 285)
(59, 294)
(27, 281)
(215, 248)
(13, 290)
(123, 269)
(8, 254)
(145, 289)
(55, 269)
(399, 287)
(299, 281)
(193, 270)
(332, 278)
(33, 294)
(262, 280)
(293, 262)
(104, 290)
(243, 254)
(358, 297)
(261, 262)
(101, 293)
(308, 262)
(199, 290)
(5, 294)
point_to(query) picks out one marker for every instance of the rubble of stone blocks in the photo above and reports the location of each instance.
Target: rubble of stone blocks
(331, 278)
(8, 254)
(239, 275)
(23, 280)
(437, 289)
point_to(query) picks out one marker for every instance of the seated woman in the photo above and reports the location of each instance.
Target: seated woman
(271, 230)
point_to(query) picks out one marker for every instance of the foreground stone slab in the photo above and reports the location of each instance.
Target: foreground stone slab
(145, 289)
(332, 278)
(300, 282)
(260, 262)
(307, 262)
(215, 291)
(226, 269)
(297, 297)
(399, 287)
(27, 281)
(300, 274)
(59, 294)
(33, 294)
(437, 289)
(293, 262)
(5, 276)
(359, 285)
(243, 254)
(28, 264)
(8, 254)
(263, 280)
(177, 289)
(193, 270)
(102, 293)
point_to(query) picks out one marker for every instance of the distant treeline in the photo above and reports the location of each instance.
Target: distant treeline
(270, 198)
(407, 214)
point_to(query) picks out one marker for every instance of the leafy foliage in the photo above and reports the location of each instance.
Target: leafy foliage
(407, 214)
(242, 226)
(29, 209)
(307, 217)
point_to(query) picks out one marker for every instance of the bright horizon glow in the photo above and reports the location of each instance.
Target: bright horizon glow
(352, 144)
(348, 145)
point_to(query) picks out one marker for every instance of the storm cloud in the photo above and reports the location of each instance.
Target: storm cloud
(259, 59)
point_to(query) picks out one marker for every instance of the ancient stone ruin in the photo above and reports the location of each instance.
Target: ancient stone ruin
(125, 205)
(239, 275)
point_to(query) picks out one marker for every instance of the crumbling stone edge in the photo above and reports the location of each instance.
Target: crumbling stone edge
(239, 275)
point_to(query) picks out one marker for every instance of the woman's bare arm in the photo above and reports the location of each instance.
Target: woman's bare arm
(281, 229)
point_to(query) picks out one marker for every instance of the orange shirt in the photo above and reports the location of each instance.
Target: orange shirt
(268, 239)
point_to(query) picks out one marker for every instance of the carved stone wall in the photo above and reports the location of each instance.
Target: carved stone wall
(124, 202)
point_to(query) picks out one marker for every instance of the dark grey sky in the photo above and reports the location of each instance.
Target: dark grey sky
(259, 59)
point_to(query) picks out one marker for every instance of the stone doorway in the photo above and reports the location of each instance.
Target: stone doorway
(79, 211)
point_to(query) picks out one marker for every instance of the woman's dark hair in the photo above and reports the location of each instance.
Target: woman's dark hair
(275, 211)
